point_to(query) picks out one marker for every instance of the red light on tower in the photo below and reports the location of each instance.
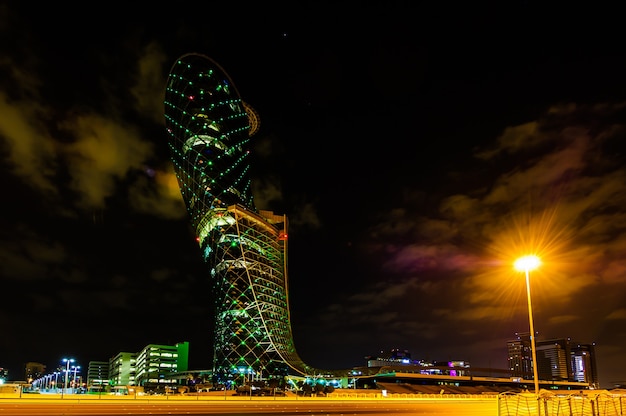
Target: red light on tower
(282, 236)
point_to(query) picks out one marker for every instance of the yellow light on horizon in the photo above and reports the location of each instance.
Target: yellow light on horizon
(527, 263)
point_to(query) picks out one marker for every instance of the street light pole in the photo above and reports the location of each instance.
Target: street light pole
(67, 362)
(526, 264)
(75, 368)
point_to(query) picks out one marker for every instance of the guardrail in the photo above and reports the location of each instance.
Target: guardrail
(546, 403)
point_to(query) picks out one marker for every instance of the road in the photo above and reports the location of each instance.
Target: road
(267, 407)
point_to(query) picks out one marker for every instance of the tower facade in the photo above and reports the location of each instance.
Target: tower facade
(209, 129)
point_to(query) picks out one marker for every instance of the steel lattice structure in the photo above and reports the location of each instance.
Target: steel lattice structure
(209, 128)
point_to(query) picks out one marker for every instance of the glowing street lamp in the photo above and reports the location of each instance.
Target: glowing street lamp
(526, 264)
(67, 362)
(75, 368)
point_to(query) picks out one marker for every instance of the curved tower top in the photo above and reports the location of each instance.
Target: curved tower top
(209, 130)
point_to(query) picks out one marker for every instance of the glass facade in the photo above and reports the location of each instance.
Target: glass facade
(209, 129)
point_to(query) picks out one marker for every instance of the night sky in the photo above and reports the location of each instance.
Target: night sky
(417, 150)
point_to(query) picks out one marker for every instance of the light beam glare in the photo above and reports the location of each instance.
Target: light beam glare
(500, 287)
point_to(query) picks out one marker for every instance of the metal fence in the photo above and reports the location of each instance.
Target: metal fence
(589, 403)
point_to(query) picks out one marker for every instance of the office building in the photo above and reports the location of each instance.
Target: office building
(583, 364)
(122, 369)
(558, 359)
(553, 360)
(155, 364)
(209, 130)
(98, 373)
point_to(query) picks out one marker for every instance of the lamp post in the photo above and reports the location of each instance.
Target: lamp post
(67, 362)
(75, 368)
(526, 264)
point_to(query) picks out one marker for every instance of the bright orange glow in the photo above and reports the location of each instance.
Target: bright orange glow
(494, 288)
(527, 263)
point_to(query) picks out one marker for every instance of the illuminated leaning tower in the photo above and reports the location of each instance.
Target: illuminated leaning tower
(209, 129)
